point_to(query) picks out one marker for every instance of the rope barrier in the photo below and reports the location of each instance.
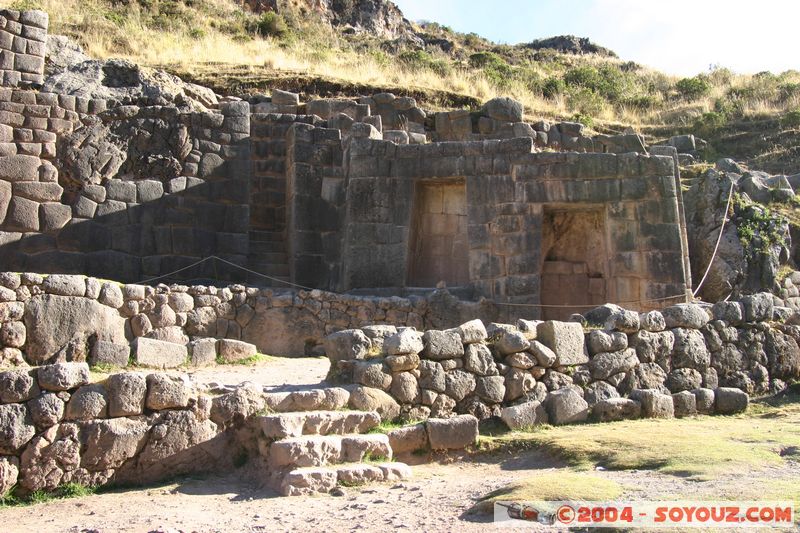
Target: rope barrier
(214, 257)
(719, 240)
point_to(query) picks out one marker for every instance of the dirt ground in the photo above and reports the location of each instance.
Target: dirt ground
(276, 373)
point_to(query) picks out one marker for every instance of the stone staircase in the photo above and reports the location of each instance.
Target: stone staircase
(315, 451)
(268, 256)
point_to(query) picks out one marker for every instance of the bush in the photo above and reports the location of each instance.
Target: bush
(586, 120)
(709, 122)
(791, 119)
(585, 101)
(553, 86)
(271, 24)
(497, 71)
(420, 59)
(693, 88)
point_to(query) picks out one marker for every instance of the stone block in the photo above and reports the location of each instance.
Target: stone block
(159, 354)
(126, 393)
(409, 439)
(231, 351)
(566, 406)
(203, 352)
(442, 344)
(525, 415)
(654, 403)
(566, 340)
(685, 403)
(729, 400)
(63, 376)
(109, 353)
(454, 433)
(615, 409)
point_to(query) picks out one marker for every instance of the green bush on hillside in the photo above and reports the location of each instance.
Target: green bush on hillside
(271, 24)
(420, 59)
(791, 119)
(553, 86)
(693, 88)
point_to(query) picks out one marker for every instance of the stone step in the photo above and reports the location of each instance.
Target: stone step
(320, 450)
(306, 481)
(296, 424)
(322, 399)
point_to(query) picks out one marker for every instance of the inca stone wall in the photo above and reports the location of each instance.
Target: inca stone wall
(566, 372)
(23, 42)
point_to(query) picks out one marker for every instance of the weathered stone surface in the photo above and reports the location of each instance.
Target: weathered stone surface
(109, 443)
(566, 340)
(690, 316)
(598, 391)
(565, 406)
(369, 399)
(406, 341)
(472, 332)
(18, 386)
(109, 353)
(283, 330)
(9, 472)
(623, 321)
(402, 363)
(167, 392)
(524, 415)
(442, 344)
(607, 364)
(683, 379)
(758, 307)
(347, 345)
(371, 373)
(63, 376)
(453, 433)
(599, 341)
(522, 360)
(235, 407)
(730, 312)
(458, 384)
(728, 401)
(408, 439)
(159, 354)
(652, 347)
(111, 295)
(87, 403)
(654, 403)
(231, 350)
(46, 410)
(305, 481)
(690, 350)
(503, 109)
(704, 400)
(615, 409)
(432, 376)
(478, 360)
(405, 388)
(126, 394)
(652, 321)
(685, 403)
(490, 389)
(545, 357)
(512, 342)
(54, 322)
(16, 428)
(203, 352)
(65, 285)
(306, 451)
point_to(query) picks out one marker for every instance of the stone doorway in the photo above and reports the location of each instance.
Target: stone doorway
(575, 267)
(439, 250)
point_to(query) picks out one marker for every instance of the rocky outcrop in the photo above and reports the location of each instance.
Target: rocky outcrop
(569, 44)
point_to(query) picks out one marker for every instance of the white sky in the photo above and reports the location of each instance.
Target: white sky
(680, 37)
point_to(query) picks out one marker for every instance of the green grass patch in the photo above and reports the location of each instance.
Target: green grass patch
(388, 425)
(67, 490)
(552, 486)
(700, 448)
(256, 359)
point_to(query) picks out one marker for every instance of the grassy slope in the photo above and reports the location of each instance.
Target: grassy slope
(216, 43)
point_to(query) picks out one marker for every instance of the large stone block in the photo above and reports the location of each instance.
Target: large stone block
(20, 168)
(442, 344)
(728, 401)
(109, 353)
(453, 433)
(18, 386)
(58, 322)
(232, 350)
(159, 354)
(16, 428)
(614, 409)
(524, 415)
(126, 394)
(604, 365)
(690, 316)
(63, 376)
(654, 403)
(565, 339)
(565, 406)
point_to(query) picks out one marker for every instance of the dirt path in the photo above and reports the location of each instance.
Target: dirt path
(276, 373)
(435, 500)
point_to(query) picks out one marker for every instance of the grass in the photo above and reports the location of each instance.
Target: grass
(700, 448)
(67, 490)
(256, 359)
(388, 425)
(552, 486)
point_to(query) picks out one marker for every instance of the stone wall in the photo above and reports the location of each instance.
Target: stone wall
(23, 42)
(77, 318)
(482, 370)
(509, 192)
(122, 191)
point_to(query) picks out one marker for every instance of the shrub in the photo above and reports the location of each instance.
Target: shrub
(420, 59)
(693, 88)
(553, 86)
(791, 119)
(585, 101)
(271, 24)
(586, 120)
(709, 122)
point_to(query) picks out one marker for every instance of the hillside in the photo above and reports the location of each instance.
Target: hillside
(338, 47)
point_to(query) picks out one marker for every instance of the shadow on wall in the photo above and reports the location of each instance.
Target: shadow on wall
(138, 231)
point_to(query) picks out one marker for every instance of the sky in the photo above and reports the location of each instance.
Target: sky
(681, 37)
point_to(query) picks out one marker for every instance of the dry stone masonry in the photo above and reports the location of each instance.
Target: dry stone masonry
(124, 173)
(655, 364)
